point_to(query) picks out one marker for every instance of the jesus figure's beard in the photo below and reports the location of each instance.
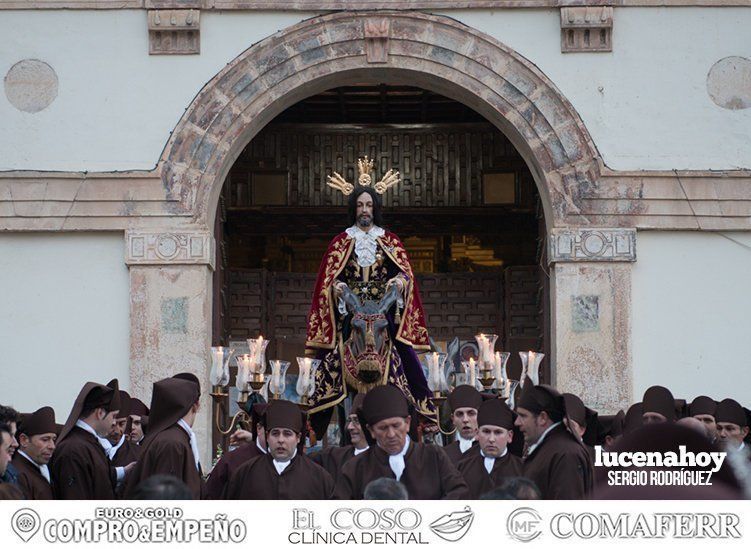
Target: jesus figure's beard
(364, 221)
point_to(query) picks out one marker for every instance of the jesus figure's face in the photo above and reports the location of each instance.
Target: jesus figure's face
(364, 211)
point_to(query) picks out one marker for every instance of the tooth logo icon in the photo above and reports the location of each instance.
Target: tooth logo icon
(454, 526)
(25, 523)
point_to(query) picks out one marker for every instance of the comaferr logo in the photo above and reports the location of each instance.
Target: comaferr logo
(524, 524)
(453, 526)
(646, 526)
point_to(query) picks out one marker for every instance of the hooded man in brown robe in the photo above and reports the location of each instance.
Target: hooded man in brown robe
(611, 429)
(333, 458)
(581, 421)
(487, 464)
(232, 461)
(37, 433)
(170, 446)
(80, 468)
(425, 470)
(139, 419)
(123, 450)
(732, 426)
(285, 472)
(464, 401)
(556, 460)
(703, 408)
(658, 405)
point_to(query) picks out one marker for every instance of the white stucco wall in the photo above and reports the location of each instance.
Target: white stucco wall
(64, 309)
(117, 105)
(691, 304)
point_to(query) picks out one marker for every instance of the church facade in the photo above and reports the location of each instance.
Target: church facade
(122, 120)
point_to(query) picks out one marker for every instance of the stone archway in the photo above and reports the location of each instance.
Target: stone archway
(171, 269)
(430, 51)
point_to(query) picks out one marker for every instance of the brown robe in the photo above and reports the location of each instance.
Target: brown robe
(472, 468)
(428, 474)
(454, 452)
(226, 467)
(169, 453)
(258, 479)
(560, 466)
(127, 453)
(30, 479)
(333, 458)
(80, 469)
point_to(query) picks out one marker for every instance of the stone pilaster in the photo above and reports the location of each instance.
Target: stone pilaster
(170, 313)
(591, 294)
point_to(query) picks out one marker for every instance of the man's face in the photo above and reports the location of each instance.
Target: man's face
(355, 431)
(465, 421)
(5, 452)
(136, 429)
(38, 447)
(493, 439)
(364, 211)
(391, 434)
(104, 422)
(282, 443)
(531, 425)
(117, 430)
(13, 440)
(653, 417)
(709, 423)
(730, 434)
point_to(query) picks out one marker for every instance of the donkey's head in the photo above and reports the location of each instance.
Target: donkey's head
(367, 348)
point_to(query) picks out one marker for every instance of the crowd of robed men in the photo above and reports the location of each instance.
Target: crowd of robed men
(114, 446)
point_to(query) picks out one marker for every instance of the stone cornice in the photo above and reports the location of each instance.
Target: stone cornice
(660, 200)
(338, 5)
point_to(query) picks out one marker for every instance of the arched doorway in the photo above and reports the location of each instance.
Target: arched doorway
(444, 57)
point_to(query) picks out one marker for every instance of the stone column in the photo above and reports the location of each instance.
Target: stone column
(170, 313)
(591, 320)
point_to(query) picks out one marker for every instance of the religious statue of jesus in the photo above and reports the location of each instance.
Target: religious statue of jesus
(366, 320)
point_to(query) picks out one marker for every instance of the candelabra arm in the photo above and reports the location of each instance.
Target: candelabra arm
(239, 416)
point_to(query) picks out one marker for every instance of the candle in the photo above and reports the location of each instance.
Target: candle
(217, 355)
(243, 369)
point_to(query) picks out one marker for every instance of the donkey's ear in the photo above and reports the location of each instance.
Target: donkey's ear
(351, 300)
(389, 299)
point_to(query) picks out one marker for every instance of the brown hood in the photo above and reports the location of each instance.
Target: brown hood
(92, 395)
(170, 401)
(38, 423)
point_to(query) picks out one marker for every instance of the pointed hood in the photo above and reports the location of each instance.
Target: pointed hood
(92, 395)
(171, 400)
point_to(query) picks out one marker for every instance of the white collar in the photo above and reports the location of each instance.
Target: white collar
(490, 461)
(542, 437)
(465, 443)
(115, 448)
(280, 466)
(357, 233)
(43, 469)
(103, 442)
(365, 243)
(359, 451)
(193, 441)
(261, 448)
(396, 462)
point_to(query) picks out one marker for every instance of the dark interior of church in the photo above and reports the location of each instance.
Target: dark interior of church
(467, 210)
